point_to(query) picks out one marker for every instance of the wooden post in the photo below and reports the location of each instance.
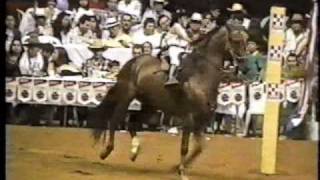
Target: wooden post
(273, 79)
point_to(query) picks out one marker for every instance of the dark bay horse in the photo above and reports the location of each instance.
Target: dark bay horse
(192, 100)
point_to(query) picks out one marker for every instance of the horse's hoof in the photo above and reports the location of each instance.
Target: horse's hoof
(105, 153)
(184, 177)
(134, 153)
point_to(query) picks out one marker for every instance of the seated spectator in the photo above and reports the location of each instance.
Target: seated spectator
(297, 37)
(61, 64)
(81, 11)
(148, 34)
(253, 67)
(137, 50)
(82, 33)
(12, 32)
(31, 62)
(157, 9)
(194, 31)
(12, 58)
(42, 26)
(126, 24)
(238, 15)
(47, 50)
(116, 37)
(131, 7)
(207, 23)
(62, 26)
(97, 66)
(147, 48)
(95, 27)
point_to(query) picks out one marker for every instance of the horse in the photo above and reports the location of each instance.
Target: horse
(192, 100)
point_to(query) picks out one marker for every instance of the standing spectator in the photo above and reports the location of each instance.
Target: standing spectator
(81, 11)
(97, 66)
(116, 37)
(12, 32)
(137, 50)
(147, 48)
(157, 9)
(82, 33)
(42, 26)
(12, 58)
(238, 15)
(253, 67)
(164, 23)
(62, 26)
(148, 34)
(51, 11)
(31, 62)
(297, 37)
(132, 7)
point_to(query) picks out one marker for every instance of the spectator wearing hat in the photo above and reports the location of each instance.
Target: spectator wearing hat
(132, 7)
(296, 38)
(62, 26)
(148, 33)
(12, 32)
(116, 37)
(157, 9)
(12, 58)
(238, 16)
(31, 62)
(97, 66)
(82, 34)
(195, 26)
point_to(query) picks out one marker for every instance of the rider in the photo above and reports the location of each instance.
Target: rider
(177, 40)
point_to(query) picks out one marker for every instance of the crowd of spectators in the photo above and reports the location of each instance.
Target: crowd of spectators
(34, 41)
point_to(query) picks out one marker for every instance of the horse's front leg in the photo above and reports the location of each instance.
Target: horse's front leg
(184, 151)
(135, 142)
(118, 116)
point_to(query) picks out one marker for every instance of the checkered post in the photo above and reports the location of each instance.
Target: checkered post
(273, 80)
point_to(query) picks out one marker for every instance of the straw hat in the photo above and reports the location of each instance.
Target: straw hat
(111, 22)
(96, 46)
(297, 17)
(236, 7)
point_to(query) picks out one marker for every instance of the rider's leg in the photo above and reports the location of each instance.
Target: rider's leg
(174, 63)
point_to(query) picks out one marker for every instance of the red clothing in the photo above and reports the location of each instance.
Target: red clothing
(98, 5)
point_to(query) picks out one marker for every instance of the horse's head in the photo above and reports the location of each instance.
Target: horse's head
(236, 41)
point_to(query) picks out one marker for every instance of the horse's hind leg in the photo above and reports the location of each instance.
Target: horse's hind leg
(135, 143)
(184, 151)
(119, 115)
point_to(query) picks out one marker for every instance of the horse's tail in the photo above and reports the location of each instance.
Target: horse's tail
(99, 117)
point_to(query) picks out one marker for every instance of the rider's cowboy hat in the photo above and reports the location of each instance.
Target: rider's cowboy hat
(196, 17)
(297, 18)
(236, 7)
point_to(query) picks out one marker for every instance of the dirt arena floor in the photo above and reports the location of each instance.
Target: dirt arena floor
(38, 153)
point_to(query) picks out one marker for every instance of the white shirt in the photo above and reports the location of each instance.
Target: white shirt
(292, 42)
(139, 38)
(133, 8)
(80, 12)
(31, 66)
(75, 36)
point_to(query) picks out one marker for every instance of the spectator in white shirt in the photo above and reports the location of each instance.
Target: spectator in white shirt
(157, 9)
(82, 33)
(51, 11)
(148, 34)
(43, 27)
(31, 62)
(126, 23)
(297, 37)
(132, 7)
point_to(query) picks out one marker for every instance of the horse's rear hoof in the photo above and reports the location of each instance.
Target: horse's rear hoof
(134, 153)
(105, 153)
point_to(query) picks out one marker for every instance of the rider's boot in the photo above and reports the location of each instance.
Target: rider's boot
(172, 80)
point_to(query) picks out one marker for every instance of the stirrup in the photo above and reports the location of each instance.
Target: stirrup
(171, 81)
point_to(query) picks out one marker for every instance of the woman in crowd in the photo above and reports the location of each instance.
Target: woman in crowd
(147, 48)
(12, 58)
(12, 32)
(62, 26)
